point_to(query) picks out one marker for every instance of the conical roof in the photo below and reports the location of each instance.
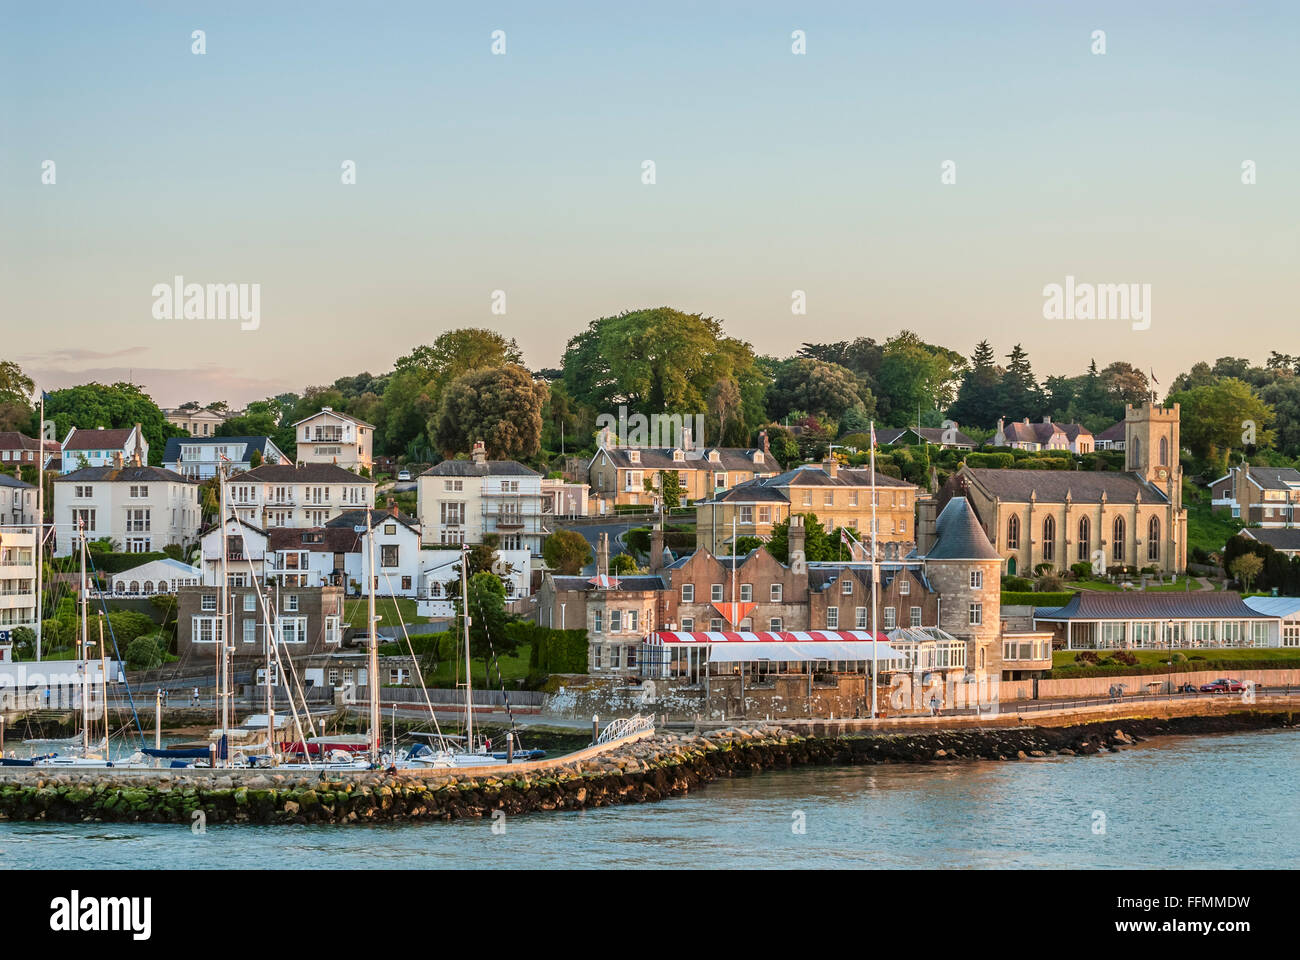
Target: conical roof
(959, 536)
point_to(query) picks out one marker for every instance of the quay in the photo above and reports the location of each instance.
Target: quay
(645, 767)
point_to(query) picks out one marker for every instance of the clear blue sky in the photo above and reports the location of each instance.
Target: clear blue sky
(523, 173)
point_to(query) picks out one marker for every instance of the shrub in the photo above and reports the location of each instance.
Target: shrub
(1124, 657)
(1081, 570)
(1012, 598)
(1086, 656)
(144, 653)
(1020, 584)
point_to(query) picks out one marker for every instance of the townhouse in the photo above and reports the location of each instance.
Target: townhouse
(102, 447)
(947, 438)
(201, 459)
(838, 496)
(20, 450)
(17, 556)
(461, 501)
(141, 509)
(617, 474)
(1263, 496)
(330, 437)
(197, 423)
(17, 502)
(303, 495)
(306, 620)
(1074, 437)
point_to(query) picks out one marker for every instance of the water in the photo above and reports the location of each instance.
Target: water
(1225, 801)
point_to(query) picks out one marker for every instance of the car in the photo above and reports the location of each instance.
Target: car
(1223, 685)
(403, 474)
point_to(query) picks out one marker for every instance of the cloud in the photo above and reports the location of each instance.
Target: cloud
(73, 355)
(168, 387)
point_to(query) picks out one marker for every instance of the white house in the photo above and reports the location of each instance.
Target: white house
(199, 458)
(17, 502)
(460, 501)
(141, 509)
(245, 553)
(332, 437)
(307, 495)
(156, 576)
(102, 447)
(17, 577)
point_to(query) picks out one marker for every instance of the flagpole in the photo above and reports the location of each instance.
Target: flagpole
(40, 519)
(734, 611)
(874, 642)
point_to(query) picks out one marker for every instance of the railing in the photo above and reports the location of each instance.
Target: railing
(1023, 706)
(626, 727)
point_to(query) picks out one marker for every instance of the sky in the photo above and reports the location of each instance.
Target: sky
(523, 173)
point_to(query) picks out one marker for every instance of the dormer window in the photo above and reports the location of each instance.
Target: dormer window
(713, 457)
(679, 456)
(758, 456)
(634, 456)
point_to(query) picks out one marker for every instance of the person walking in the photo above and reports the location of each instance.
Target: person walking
(196, 696)
(934, 706)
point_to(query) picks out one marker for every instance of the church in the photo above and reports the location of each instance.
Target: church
(1110, 519)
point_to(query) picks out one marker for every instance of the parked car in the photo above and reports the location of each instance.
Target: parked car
(1223, 685)
(403, 474)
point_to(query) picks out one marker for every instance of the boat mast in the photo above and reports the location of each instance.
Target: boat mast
(874, 573)
(40, 519)
(464, 606)
(373, 678)
(103, 667)
(222, 668)
(85, 644)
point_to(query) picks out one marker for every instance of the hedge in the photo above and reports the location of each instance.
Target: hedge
(1190, 666)
(1012, 598)
(111, 563)
(554, 651)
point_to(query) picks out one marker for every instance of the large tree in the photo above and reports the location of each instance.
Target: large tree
(566, 552)
(977, 399)
(16, 390)
(815, 387)
(502, 406)
(115, 406)
(1221, 417)
(915, 374)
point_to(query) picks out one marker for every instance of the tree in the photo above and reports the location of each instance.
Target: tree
(815, 387)
(978, 400)
(916, 374)
(566, 552)
(502, 406)
(116, 406)
(817, 543)
(488, 636)
(144, 653)
(1246, 568)
(1217, 418)
(1020, 395)
(621, 564)
(24, 643)
(16, 389)
(668, 488)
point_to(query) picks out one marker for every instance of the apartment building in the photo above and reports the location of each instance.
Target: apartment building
(17, 502)
(307, 621)
(618, 474)
(335, 438)
(305, 495)
(141, 509)
(838, 496)
(17, 560)
(197, 423)
(201, 459)
(461, 501)
(1263, 496)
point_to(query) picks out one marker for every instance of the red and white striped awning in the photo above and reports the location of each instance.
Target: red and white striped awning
(672, 637)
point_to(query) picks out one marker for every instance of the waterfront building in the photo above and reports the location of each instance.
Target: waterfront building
(1200, 620)
(102, 447)
(330, 437)
(461, 501)
(302, 495)
(17, 557)
(200, 459)
(307, 620)
(161, 576)
(197, 423)
(141, 509)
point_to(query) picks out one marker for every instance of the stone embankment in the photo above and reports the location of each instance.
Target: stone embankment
(661, 766)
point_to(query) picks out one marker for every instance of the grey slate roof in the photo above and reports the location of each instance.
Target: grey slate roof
(1112, 433)
(122, 475)
(172, 452)
(8, 481)
(1083, 486)
(634, 583)
(661, 458)
(468, 468)
(1139, 605)
(959, 536)
(351, 519)
(1275, 478)
(307, 473)
(1279, 538)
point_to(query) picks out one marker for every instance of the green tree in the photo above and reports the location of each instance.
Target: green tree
(566, 552)
(115, 406)
(502, 406)
(818, 544)
(1218, 418)
(978, 400)
(916, 374)
(16, 389)
(815, 387)
(1245, 569)
(621, 564)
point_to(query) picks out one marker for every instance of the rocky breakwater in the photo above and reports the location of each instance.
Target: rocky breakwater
(651, 769)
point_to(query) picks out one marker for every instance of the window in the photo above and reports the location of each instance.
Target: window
(846, 586)
(915, 619)
(615, 657)
(250, 630)
(388, 555)
(688, 624)
(715, 592)
(976, 617)
(406, 583)
(1013, 532)
(615, 621)
(764, 514)
(891, 620)
(1049, 538)
(832, 618)
(1117, 540)
(332, 632)
(977, 579)
(1164, 451)
(774, 625)
(85, 517)
(208, 602)
(1153, 538)
(860, 618)
(715, 625)
(830, 498)
(207, 629)
(777, 592)
(250, 602)
(1085, 533)
(291, 603)
(746, 515)
(595, 658)
(632, 619)
(137, 521)
(904, 584)
(688, 593)
(293, 630)
(599, 625)
(746, 592)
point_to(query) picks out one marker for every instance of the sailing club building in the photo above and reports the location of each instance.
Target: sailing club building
(1094, 620)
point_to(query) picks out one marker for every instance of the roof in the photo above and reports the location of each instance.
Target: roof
(8, 481)
(1114, 432)
(334, 413)
(357, 518)
(13, 440)
(1285, 607)
(757, 490)
(1275, 478)
(487, 468)
(801, 646)
(1052, 486)
(1279, 538)
(313, 539)
(959, 536)
(175, 566)
(214, 525)
(812, 475)
(633, 584)
(661, 458)
(172, 452)
(306, 473)
(936, 435)
(98, 439)
(1140, 605)
(123, 475)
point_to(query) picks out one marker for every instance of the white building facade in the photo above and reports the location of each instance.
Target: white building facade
(307, 495)
(141, 509)
(461, 501)
(336, 438)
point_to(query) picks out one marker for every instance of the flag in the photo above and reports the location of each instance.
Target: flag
(873, 435)
(844, 537)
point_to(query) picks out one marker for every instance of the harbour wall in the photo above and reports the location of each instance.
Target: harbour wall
(652, 768)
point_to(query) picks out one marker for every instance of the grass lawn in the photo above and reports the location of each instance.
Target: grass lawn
(386, 608)
(513, 667)
(1153, 661)
(1207, 528)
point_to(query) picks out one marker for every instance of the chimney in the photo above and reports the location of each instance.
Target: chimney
(137, 456)
(602, 439)
(656, 550)
(831, 466)
(392, 506)
(602, 554)
(762, 441)
(479, 454)
(1047, 419)
(117, 459)
(795, 537)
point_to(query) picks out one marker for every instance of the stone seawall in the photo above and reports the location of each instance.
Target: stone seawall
(650, 769)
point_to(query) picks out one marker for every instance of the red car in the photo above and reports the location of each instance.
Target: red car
(1223, 685)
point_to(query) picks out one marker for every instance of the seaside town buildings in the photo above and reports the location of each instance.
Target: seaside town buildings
(201, 459)
(330, 437)
(139, 508)
(1267, 497)
(461, 501)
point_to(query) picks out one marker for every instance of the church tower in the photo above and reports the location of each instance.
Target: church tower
(1151, 448)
